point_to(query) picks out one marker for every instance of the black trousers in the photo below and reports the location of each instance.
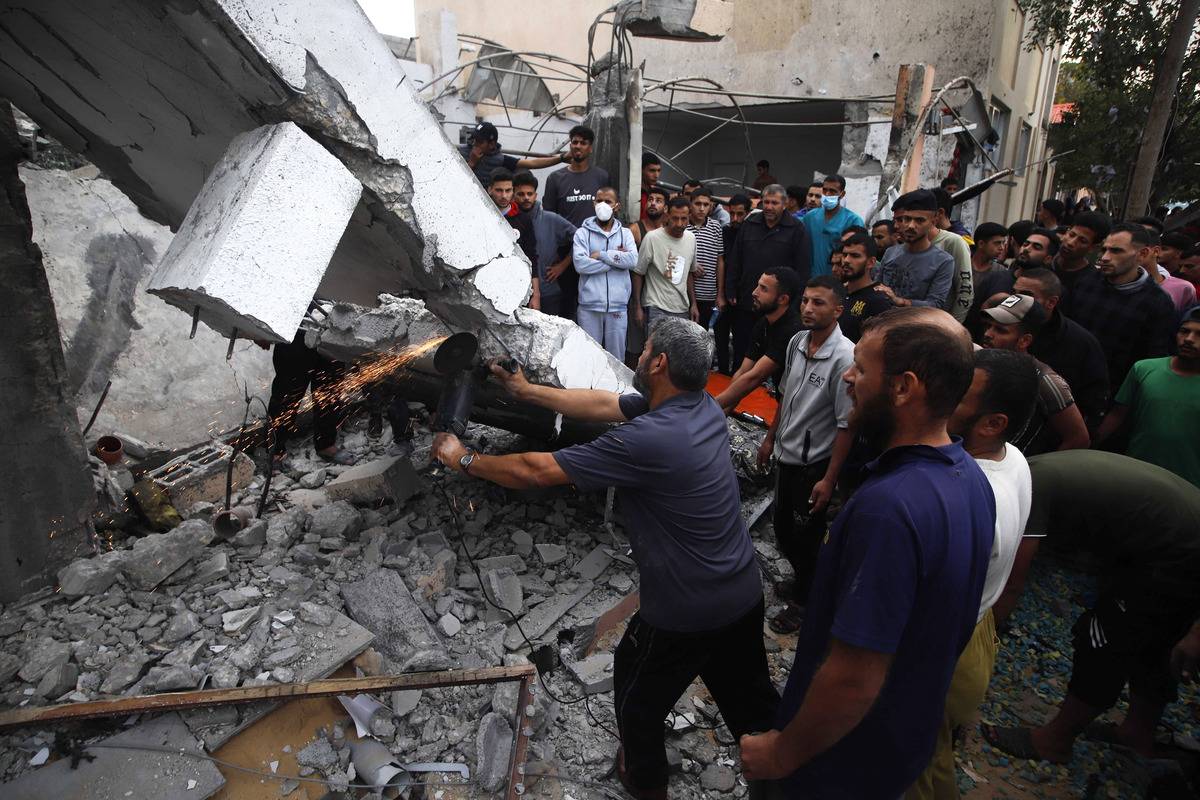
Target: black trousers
(296, 368)
(722, 330)
(797, 532)
(742, 326)
(652, 668)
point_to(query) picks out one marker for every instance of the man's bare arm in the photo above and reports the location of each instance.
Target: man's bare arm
(746, 381)
(1071, 429)
(515, 471)
(585, 405)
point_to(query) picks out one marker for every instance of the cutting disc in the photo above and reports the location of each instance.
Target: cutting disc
(456, 353)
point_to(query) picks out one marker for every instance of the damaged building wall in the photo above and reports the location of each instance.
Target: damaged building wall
(224, 67)
(44, 516)
(99, 252)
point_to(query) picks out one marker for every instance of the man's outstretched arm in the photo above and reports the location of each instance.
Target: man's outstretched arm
(585, 405)
(746, 381)
(515, 471)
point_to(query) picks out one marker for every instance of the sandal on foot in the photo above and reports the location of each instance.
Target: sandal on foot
(788, 620)
(1017, 742)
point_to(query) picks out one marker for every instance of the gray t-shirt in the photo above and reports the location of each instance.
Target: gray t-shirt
(573, 194)
(924, 278)
(679, 496)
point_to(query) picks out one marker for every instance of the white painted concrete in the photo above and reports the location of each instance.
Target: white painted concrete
(258, 239)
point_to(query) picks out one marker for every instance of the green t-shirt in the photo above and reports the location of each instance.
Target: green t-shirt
(1166, 417)
(1140, 520)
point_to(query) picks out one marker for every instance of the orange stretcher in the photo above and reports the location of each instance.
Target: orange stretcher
(758, 403)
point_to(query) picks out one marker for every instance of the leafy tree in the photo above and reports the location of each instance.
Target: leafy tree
(1122, 56)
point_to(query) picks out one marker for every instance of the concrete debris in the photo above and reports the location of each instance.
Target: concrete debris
(338, 520)
(89, 576)
(522, 543)
(391, 479)
(551, 554)
(593, 564)
(156, 556)
(718, 778)
(236, 621)
(493, 744)
(42, 656)
(212, 569)
(253, 535)
(382, 604)
(449, 625)
(543, 616)
(200, 474)
(515, 564)
(181, 627)
(595, 673)
(59, 680)
(502, 588)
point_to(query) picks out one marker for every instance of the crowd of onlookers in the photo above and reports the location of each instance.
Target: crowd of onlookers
(947, 399)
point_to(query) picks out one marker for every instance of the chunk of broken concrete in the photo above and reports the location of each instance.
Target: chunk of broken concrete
(593, 564)
(338, 520)
(543, 616)
(493, 743)
(551, 553)
(87, 576)
(236, 621)
(182, 626)
(58, 681)
(502, 588)
(390, 478)
(42, 656)
(156, 556)
(382, 604)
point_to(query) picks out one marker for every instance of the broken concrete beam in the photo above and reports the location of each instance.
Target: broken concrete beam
(382, 604)
(493, 745)
(156, 556)
(258, 238)
(593, 564)
(116, 773)
(390, 478)
(543, 616)
(199, 475)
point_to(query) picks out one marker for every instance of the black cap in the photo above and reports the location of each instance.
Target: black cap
(917, 200)
(485, 132)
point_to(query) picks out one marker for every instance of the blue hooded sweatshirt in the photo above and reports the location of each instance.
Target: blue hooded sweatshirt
(604, 283)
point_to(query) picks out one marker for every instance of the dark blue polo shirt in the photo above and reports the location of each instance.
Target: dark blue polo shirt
(901, 572)
(682, 507)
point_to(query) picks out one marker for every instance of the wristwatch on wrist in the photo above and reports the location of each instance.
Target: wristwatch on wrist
(464, 463)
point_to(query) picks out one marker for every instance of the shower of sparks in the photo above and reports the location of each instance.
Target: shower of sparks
(356, 378)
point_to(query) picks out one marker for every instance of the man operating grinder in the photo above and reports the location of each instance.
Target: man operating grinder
(701, 591)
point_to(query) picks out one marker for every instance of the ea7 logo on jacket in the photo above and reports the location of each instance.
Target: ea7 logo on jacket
(816, 380)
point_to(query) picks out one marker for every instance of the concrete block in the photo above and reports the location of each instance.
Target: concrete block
(382, 604)
(510, 562)
(593, 564)
(156, 556)
(543, 616)
(86, 576)
(595, 672)
(391, 478)
(338, 520)
(503, 588)
(257, 240)
(199, 475)
(493, 744)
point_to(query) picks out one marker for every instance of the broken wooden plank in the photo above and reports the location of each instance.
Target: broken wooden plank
(174, 701)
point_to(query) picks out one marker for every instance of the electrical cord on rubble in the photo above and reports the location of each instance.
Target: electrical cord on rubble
(583, 698)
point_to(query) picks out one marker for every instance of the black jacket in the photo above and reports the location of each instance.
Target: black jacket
(1074, 353)
(758, 247)
(522, 223)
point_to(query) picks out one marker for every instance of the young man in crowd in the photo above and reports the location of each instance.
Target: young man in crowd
(884, 234)
(826, 226)
(739, 207)
(1056, 422)
(1171, 249)
(962, 289)
(1051, 213)
(552, 236)
(989, 275)
(1160, 400)
(1181, 292)
(917, 274)
(810, 439)
(763, 178)
(1121, 304)
(604, 254)
(772, 238)
(483, 156)
(709, 243)
(778, 322)
(1038, 250)
(571, 193)
(795, 201)
(1016, 238)
(656, 216)
(1189, 267)
(500, 189)
(1089, 501)
(999, 400)
(1067, 347)
(664, 277)
(812, 196)
(651, 172)
(898, 584)
(1086, 233)
(701, 611)
(862, 301)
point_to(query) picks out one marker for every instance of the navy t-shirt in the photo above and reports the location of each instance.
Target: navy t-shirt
(900, 572)
(682, 507)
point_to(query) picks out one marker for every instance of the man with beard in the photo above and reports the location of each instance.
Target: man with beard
(1067, 347)
(862, 301)
(655, 216)
(651, 172)
(777, 324)
(899, 578)
(552, 236)
(665, 276)
(884, 233)
(810, 439)
(1040, 247)
(772, 238)
(701, 611)
(1161, 400)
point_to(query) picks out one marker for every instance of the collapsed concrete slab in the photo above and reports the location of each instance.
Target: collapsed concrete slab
(258, 239)
(225, 67)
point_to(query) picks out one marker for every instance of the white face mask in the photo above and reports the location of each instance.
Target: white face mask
(604, 212)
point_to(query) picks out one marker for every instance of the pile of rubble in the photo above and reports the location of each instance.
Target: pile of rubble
(407, 568)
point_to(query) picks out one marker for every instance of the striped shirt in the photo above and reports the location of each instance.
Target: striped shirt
(1054, 396)
(710, 243)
